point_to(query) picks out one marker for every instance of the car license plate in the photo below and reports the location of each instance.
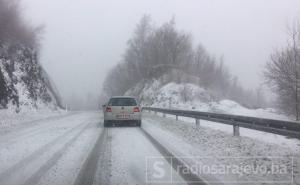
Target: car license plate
(123, 116)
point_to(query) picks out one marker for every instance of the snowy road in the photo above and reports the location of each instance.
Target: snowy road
(76, 149)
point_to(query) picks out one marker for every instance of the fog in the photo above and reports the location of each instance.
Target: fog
(84, 39)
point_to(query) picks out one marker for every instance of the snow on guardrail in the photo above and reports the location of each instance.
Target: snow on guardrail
(280, 127)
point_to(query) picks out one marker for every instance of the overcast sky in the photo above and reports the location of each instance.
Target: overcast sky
(83, 39)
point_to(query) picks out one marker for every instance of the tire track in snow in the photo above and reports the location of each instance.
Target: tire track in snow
(34, 179)
(87, 174)
(104, 171)
(27, 160)
(190, 178)
(25, 132)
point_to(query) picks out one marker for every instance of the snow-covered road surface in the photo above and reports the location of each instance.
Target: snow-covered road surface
(53, 148)
(76, 149)
(120, 157)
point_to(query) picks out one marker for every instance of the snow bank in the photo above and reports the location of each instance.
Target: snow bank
(186, 140)
(192, 97)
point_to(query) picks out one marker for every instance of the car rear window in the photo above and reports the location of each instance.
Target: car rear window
(122, 102)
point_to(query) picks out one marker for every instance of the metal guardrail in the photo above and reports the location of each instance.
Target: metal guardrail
(285, 128)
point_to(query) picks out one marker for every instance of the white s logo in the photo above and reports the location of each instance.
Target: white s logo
(159, 171)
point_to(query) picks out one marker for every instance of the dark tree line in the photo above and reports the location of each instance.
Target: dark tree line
(165, 53)
(19, 59)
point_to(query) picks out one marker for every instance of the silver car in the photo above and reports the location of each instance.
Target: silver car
(122, 110)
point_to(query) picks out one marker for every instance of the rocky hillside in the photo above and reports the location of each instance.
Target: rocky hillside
(23, 81)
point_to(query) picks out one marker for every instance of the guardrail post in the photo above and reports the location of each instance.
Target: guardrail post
(176, 117)
(164, 115)
(197, 122)
(236, 130)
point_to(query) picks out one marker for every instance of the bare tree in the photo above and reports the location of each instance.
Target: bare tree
(165, 53)
(3, 91)
(185, 93)
(283, 73)
(136, 54)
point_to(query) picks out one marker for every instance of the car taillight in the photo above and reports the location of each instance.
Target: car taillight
(108, 109)
(136, 109)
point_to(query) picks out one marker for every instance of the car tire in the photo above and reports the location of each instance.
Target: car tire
(106, 123)
(139, 123)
